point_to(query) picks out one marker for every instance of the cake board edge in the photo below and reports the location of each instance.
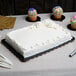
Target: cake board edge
(21, 58)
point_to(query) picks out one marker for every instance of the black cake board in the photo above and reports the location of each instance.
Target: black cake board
(21, 58)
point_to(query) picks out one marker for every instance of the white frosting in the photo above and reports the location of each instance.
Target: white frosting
(38, 37)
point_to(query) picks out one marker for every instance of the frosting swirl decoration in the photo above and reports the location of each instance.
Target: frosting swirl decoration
(32, 12)
(57, 10)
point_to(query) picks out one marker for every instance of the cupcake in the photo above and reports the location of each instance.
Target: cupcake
(57, 12)
(32, 14)
(73, 22)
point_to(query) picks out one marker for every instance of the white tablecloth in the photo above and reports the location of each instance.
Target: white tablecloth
(54, 63)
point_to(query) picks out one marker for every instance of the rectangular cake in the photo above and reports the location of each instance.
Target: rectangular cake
(37, 38)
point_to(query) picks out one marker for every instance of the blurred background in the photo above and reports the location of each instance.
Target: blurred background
(18, 7)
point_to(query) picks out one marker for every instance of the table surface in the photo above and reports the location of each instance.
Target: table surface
(57, 60)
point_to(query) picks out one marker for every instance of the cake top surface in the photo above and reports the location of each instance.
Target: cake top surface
(31, 9)
(57, 10)
(32, 12)
(73, 20)
(74, 17)
(38, 34)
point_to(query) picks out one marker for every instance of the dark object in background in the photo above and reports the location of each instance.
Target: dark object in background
(7, 7)
(17, 7)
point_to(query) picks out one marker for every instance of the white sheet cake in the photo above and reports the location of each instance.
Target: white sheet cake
(38, 37)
